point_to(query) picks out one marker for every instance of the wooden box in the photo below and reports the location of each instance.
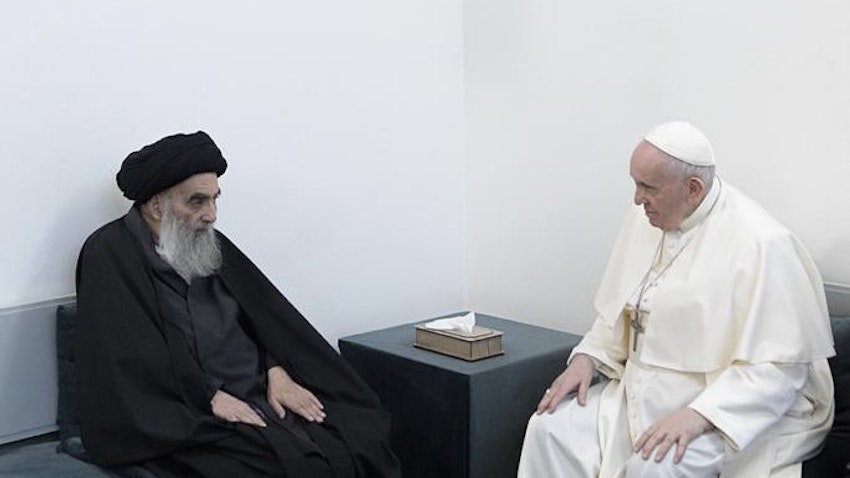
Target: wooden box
(476, 345)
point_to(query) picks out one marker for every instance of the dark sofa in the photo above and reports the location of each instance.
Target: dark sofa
(62, 455)
(834, 459)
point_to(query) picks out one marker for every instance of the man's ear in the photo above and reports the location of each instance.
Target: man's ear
(155, 207)
(695, 188)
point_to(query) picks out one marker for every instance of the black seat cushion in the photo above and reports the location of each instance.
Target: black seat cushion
(835, 457)
(66, 414)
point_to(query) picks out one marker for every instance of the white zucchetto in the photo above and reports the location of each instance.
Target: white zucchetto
(682, 141)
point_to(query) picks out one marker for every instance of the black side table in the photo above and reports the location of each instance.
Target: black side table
(453, 418)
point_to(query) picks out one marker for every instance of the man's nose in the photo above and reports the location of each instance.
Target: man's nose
(209, 213)
(639, 200)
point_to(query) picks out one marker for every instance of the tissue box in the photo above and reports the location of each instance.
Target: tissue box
(476, 345)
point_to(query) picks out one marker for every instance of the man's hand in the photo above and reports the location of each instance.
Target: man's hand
(231, 409)
(577, 375)
(680, 427)
(284, 393)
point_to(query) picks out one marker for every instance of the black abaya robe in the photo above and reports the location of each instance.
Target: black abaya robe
(141, 393)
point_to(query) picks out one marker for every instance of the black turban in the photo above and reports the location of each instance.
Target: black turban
(169, 161)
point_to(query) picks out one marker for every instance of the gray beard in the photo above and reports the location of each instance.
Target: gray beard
(192, 253)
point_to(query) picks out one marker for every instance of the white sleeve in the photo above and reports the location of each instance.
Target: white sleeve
(746, 399)
(608, 353)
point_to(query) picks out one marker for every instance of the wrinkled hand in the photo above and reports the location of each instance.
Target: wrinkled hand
(680, 427)
(284, 393)
(231, 409)
(577, 375)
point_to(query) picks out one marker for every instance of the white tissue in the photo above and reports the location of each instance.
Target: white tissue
(464, 323)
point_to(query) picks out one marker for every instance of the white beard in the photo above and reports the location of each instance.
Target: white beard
(192, 253)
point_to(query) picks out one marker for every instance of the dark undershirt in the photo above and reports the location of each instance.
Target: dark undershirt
(209, 319)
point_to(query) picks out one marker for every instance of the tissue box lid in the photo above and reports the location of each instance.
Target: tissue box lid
(476, 345)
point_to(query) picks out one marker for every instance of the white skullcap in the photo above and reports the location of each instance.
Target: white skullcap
(682, 141)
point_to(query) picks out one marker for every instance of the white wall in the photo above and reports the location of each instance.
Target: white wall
(559, 92)
(359, 136)
(342, 123)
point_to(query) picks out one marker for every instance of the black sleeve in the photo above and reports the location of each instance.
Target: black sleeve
(212, 385)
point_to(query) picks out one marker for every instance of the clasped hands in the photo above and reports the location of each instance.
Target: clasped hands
(679, 427)
(283, 394)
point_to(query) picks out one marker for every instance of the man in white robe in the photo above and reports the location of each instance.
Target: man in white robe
(711, 338)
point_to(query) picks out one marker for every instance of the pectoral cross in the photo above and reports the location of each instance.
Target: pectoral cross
(637, 328)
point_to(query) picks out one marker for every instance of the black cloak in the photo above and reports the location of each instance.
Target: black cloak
(140, 391)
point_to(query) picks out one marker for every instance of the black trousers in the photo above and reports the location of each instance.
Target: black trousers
(291, 448)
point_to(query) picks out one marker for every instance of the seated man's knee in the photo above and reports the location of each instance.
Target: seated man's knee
(557, 445)
(702, 459)
(540, 426)
(638, 467)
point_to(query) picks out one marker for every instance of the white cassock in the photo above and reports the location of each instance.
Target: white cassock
(733, 325)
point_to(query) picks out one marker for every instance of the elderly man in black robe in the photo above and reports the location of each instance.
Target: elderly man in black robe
(190, 361)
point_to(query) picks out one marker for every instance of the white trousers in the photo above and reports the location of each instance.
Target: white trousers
(567, 444)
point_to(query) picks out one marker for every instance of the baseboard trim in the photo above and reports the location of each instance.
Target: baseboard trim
(29, 369)
(46, 303)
